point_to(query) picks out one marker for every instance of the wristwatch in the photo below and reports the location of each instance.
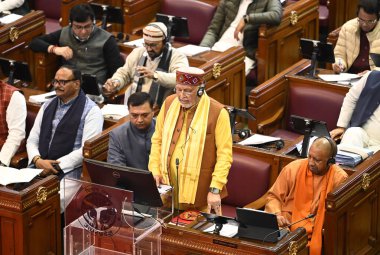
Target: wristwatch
(155, 76)
(214, 190)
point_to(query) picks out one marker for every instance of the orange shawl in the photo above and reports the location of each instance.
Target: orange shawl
(303, 197)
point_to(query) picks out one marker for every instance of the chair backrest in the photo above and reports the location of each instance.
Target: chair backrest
(198, 14)
(248, 180)
(314, 102)
(51, 8)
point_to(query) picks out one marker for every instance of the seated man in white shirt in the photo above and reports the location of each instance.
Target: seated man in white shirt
(12, 122)
(62, 126)
(359, 118)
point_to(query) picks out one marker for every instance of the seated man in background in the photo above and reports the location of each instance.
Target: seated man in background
(150, 68)
(12, 122)
(301, 189)
(237, 22)
(192, 145)
(359, 118)
(129, 144)
(20, 7)
(91, 49)
(357, 38)
(62, 126)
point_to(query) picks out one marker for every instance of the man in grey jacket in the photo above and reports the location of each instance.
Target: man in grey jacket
(129, 144)
(242, 24)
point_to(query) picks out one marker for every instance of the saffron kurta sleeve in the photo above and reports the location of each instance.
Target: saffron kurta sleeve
(223, 142)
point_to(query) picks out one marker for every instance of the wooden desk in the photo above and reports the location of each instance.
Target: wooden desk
(15, 37)
(30, 218)
(225, 75)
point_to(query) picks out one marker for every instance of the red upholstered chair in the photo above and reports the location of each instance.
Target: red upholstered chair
(248, 181)
(198, 14)
(52, 10)
(310, 102)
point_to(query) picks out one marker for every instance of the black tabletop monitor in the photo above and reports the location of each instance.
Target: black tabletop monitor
(141, 182)
(258, 225)
(15, 70)
(308, 127)
(107, 13)
(317, 52)
(90, 84)
(177, 26)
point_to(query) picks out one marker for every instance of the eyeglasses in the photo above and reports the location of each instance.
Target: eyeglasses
(150, 45)
(185, 92)
(61, 82)
(86, 27)
(143, 115)
(367, 22)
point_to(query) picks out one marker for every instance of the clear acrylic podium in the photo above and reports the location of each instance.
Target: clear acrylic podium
(104, 220)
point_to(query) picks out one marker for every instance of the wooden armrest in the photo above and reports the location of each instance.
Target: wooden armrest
(258, 203)
(275, 119)
(20, 160)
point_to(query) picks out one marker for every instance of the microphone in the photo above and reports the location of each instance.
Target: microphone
(289, 225)
(176, 166)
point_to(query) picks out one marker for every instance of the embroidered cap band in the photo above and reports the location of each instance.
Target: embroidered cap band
(190, 76)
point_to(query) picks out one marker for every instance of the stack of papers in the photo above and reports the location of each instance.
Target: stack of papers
(191, 50)
(342, 78)
(135, 43)
(13, 175)
(42, 98)
(350, 155)
(115, 111)
(228, 230)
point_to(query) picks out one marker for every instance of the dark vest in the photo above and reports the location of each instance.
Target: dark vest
(368, 100)
(64, 137)
(88, 56)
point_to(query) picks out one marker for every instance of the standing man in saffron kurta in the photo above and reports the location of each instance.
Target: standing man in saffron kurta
(192, 140)
(301, 190)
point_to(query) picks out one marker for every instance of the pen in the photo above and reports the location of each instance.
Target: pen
(340, 64)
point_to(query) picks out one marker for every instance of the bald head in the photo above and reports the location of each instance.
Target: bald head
(319, 154)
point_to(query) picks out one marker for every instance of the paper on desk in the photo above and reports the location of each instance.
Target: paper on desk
(13, 175)
(191, 50)
(135, 43)
(10, 18)
(41, 98)
(228, 230)
(258, 139)
(163, 188)
(115, 111)
(338, 77)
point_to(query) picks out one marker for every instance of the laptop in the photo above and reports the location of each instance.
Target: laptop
(259, 225)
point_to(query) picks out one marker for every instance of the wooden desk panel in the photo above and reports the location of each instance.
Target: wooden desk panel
(341, 11)
(278, 46)
(15, 37)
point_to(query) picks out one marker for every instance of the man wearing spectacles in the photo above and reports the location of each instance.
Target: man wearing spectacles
(62, 126)
(357, 38)
(150, 68)
(129, 144)
(192, 144)
(91, 49)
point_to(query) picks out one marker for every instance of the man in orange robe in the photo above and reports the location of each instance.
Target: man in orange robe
(301, 190)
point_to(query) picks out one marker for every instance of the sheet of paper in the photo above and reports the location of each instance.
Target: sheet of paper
(191, 50)
(135, 43)
(42, 98)
(228, 230)
(115, 111)
(258, 139)
(13, 175)
(339, 77)
(10, 18)
(163, 188)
